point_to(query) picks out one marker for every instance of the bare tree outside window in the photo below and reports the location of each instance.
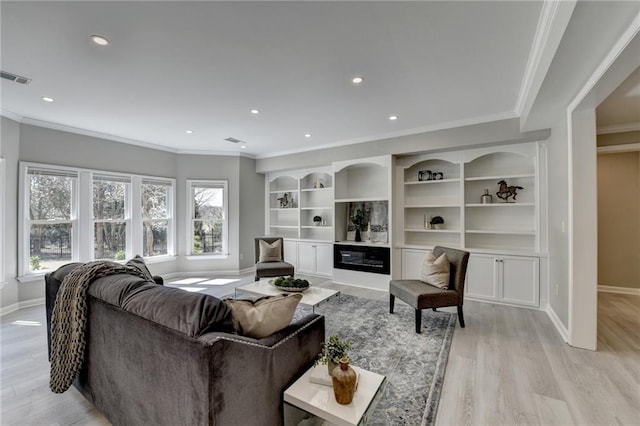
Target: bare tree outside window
(208, 219)
(50, 223)
(155, 218)
(110, 224)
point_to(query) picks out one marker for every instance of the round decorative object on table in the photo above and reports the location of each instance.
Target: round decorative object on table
(344, 382)
(290, 284)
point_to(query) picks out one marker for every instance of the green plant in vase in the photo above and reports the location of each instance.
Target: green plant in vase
(360, 220)
(331, 351)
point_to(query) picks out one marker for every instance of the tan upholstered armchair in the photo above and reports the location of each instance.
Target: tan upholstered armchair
(421, 295)
(271, 266)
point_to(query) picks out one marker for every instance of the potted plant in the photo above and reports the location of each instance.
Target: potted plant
(317, 220)
(437, 222)
(359, 220)
(332, 350)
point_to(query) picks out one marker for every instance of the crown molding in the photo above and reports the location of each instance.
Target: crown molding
(115, 138)
(11, 115)
(618, 128)
(615, 149)
(554, 18)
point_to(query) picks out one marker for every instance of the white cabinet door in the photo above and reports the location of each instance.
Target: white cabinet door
(324, 259)
(482, 277)
(306, 258)
(412, 263)
(509, 279)
(291, 253)
(520, 282)
(315, 258)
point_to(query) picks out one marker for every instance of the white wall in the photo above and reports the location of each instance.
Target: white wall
(558, 197)
(9, 150)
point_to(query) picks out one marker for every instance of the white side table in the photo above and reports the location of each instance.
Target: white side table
(304, 400)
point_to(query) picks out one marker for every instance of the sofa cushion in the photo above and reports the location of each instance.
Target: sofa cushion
(115, 288)
(270, 252)
(189, 313)
(263, 316)
(138, 263)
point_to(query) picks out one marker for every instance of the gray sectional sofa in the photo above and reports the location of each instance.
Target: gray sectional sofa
(159, 355)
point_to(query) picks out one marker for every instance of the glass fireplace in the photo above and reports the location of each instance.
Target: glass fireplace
(362, 258)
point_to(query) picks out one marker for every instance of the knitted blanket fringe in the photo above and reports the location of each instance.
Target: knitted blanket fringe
(69, 320)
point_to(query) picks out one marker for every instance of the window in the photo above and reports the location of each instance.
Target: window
(155, 217)
(110, 217)
(50, 218)
(207, 212)
(78, 215)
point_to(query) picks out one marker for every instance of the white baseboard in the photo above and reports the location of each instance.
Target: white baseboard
(564, 333)
(20, 305)
(620, 290)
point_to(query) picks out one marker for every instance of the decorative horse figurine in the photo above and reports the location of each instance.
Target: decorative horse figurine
(506, 191)
(284, 201)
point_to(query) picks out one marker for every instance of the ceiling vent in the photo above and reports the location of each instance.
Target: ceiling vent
(233, 140)
(13, 77)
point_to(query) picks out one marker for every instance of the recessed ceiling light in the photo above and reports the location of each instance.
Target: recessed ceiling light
(255, 111)
(99, 40)
(357, 79)
(307, 135)
(243, 146)
(188, 131)
(393, 117)
(47, 99)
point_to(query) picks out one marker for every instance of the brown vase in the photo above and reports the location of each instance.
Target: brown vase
(344, 382)
(331, 366)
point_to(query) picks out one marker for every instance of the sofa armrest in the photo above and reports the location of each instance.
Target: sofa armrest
(158, 279)
(259, 370)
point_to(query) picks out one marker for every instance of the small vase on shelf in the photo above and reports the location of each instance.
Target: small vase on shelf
(358, 237)
(486, 197)
(344, 382)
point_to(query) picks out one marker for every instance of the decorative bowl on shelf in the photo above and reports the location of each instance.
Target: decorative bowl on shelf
(290, 284)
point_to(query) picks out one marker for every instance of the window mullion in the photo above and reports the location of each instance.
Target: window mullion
(134, 212)
(83, 236)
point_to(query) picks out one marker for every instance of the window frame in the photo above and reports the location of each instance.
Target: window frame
(82, 238)
(170, 216)
(191, 183)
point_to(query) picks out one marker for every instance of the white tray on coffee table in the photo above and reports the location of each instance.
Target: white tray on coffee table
(311, 297)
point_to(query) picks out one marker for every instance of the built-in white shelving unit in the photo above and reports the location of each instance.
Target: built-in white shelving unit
(308, 243)
(505, 239)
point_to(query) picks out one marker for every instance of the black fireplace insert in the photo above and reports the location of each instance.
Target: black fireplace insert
(362, 258)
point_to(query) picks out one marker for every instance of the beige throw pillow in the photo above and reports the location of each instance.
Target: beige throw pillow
(270, 252)
(435, 271)
(264, 316)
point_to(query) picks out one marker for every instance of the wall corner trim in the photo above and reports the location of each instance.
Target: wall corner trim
(562, 330)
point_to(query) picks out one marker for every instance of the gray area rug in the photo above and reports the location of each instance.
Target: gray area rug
(387, 344)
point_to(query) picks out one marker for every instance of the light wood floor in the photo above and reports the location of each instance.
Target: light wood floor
(507, 367)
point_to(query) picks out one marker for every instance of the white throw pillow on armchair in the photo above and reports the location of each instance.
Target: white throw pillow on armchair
(270, 252)
(435, 271)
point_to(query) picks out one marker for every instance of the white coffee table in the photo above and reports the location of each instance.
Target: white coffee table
(319, 401)
(311, 297)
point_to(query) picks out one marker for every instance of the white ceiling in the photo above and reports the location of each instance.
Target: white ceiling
(174, 66)
(621, 110)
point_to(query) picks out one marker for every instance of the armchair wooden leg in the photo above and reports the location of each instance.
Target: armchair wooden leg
(418, 320)
(434, 310)
(460, 316)
(392, 300)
